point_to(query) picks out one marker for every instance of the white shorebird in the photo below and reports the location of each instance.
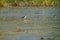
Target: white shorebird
(24, 17)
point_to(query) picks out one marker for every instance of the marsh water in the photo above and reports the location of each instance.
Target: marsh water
(42, 23)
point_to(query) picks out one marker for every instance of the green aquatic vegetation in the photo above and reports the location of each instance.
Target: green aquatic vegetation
(2, 34)
(6, 3)
(51, 38)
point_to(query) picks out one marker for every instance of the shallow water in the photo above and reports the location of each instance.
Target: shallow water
(41, 24)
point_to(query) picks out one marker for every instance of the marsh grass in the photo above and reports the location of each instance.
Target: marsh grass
(29, 3)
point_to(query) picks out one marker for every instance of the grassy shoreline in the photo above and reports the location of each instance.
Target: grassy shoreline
(29, 3)
(28, 6)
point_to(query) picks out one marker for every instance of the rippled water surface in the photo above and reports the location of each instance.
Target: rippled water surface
(40, 22)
